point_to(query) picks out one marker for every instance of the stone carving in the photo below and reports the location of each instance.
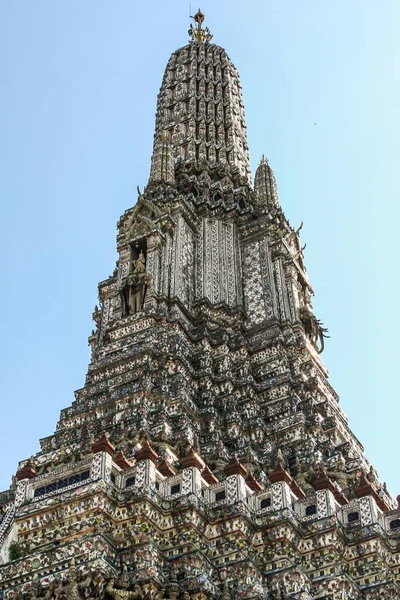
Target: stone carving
(338, 473)
(313, 328)
(71, 589)
(139, 264)
(302, 474)
(119, 589)
(133, 287)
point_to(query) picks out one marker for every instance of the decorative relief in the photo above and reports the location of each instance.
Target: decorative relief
(131, 328)
(106, 311)
(215, 263)
(185, 260)
(208, 260)
(6, 521)
(279, 288)
(231, 264)
(252, 283)
(267, 279)
(365, 510)
(95, 469)
(231, 489)
(187, 481)
(123, 270)
(322, 504)
(166, 266)
(199, 265)
(277, 496)
(140, 474)
(21, 492)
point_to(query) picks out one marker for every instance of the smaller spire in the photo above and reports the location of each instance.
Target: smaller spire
(27, 471)
(166, 469)
(210, 478)
(197, 33)
(234, 467)
(252, 483)
(162, 162)
(192, 460)
(146, 452)
(266, 193)
(120, 459)
(103, 444)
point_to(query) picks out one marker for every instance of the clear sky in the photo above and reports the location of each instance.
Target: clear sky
(78, 88)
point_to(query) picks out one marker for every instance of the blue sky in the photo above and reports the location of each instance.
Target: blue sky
(79, 82)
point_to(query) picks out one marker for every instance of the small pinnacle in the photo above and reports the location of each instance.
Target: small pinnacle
(197, 33)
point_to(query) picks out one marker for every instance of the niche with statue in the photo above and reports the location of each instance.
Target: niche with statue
(133, 287)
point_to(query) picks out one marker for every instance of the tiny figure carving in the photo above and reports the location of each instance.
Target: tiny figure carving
(121, 592)
(371, 475)
(313, 328)
(92, 585)
(219, 457)
(164, 437)
(96, 316)
(139, 264)
(71, 590)
(302, 475)
(339, 474)
(279, 460)
(34, 590)
(53, 590)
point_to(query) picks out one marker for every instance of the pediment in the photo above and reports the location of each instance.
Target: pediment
(143, 218)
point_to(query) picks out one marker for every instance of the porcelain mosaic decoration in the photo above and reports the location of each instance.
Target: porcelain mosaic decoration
(206, 456)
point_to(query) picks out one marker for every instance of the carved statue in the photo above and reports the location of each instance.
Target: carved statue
(149, 593)
(302, 475)
(279, 460)
(139, 264)
(55, 590)
(371, 475)
(164, 438)
(121, 592)
(132, 292)
(132, 289)
(338, 473)
(219, 457)
(71, 590)
(33, 590)
(313, 328)
(92, 585)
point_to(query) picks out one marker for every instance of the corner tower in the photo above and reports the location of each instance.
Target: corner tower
(206, 456)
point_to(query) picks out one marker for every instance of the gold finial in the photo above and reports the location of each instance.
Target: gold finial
(197, 33)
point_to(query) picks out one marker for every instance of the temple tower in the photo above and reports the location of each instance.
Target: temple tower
(207, 455)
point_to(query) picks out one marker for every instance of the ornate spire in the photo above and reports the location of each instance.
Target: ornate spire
(197, 33)
(162, 162)
(201, 113)
(265, 186)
